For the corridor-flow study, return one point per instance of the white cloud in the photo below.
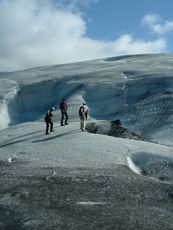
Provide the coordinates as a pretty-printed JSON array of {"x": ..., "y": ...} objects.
[
  {"x": 157, "y": 24},
  {"x": 34, "y": 33}
]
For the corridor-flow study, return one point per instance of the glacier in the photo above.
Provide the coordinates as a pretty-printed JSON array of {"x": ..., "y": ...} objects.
[{"x": 75, "y": 180}]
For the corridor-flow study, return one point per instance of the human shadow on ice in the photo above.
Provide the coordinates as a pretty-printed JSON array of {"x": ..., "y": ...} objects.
[
  {"x": 37, "y": 141},
  {"x": 19, "y": 141},
  {"x": 59, "y": 135},
  {"x": 28, "y": 134}
]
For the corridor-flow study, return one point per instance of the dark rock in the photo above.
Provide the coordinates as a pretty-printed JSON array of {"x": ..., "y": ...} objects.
[{"x": 113, "y": 128}]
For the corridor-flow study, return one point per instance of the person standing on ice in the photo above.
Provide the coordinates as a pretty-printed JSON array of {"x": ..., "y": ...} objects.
[
  {"x": 83, "y": 115},
  {"x": 63, "y": 108},
  {"x": 48, "y": 120}
]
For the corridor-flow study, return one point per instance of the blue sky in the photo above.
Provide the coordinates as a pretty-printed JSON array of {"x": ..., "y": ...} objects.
[
  {"x": 45, "y": 32},
  {"x": 114, "y": 17}
]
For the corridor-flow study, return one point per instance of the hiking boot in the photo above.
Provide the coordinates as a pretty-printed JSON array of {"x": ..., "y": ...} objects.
[
  {"x": 47, "y": 133},
  {"x": 62, "y": 124},
  {"x": 66, "y": 123},
  {"x": 52, "y": 130}
]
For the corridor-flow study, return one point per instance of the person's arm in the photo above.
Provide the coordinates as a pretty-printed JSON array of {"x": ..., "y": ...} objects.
[
  {"x": 86, "y": 113},
  {"x": 61, "y": 107}
]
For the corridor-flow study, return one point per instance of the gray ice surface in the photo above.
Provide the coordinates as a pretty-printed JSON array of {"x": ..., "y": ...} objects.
[{"x": 78, "y": 180}]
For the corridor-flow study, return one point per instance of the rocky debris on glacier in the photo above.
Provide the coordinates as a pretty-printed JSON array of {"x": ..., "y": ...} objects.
[{"x": 112, "y": 129}]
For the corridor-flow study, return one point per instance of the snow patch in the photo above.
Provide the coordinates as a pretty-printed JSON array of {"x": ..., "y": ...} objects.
[
  {"x": 50, "y": 176},
  {"x": 4, "y": 116},
  {"x": 10, "y": 159},
  {"x": 132, "y": 166},
  {"x": 9, "y": 89},
  {"x": 90, "y": 203}
]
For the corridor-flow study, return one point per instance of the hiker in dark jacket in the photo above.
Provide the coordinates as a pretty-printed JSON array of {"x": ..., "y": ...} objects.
[
  {"x": 48, "y": 120},
  {"x": 63, "y": 108}
]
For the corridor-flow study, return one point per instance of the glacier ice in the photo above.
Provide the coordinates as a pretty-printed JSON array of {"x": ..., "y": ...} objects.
[
  {"x": 69, "y": 179},
  {"x": 135, "y": 89}
]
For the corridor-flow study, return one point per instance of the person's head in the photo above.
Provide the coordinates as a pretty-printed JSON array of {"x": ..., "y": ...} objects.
[
  {"x": 52, "y": 109},
  {"x": 64, "y": 100},
  {"x": 84, "y": 103}
]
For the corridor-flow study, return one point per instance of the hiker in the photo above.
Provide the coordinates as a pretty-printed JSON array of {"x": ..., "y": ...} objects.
[
  {"x": 63, "y": 107},
  {"x": 48, "y": 120},
  {"x": 83, "y": 114}
]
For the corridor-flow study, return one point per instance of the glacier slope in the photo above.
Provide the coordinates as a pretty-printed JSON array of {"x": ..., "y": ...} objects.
[{"x": 71, "y": 179}]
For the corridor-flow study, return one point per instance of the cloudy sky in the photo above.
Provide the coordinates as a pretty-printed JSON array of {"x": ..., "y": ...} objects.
[{"x": 44, "y": 32}]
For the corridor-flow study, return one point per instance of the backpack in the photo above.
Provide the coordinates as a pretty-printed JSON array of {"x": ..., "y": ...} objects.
[
  {"x": 82, "y": 111},
  {"x": 46, "y": 116}
]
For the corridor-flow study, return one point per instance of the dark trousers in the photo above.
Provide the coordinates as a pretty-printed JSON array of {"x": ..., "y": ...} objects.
[
  {"x": 47, "y": 126},
  {"x": 64, "y": 115}
]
